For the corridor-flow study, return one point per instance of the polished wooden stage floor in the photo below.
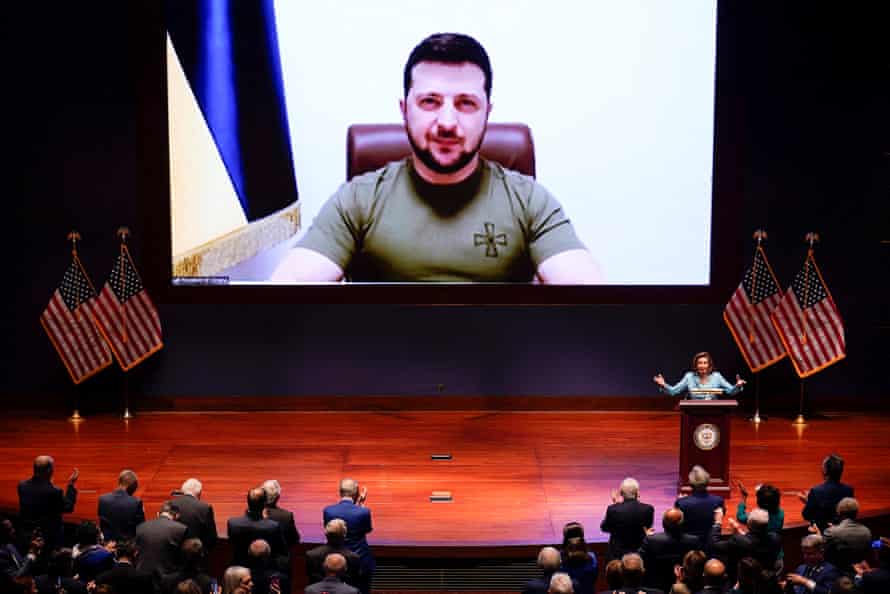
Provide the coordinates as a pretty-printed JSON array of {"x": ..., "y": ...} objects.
[{"x": 516, "y": 477}]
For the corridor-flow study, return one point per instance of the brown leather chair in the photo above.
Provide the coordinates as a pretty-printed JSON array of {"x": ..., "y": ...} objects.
[{"x": 371, "y": 146}]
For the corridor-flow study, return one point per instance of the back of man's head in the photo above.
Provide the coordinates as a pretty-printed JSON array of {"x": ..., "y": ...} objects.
[
  {"x": 699, "y": 478},
  {"x": 614, "y": 579},
  {"x": 561, "y": 583},
  {"x": 847, "y": 508},
  {"x": 348, "y": 488},
  {"x": 672, "y": 520},
  {"x": 335, "y": 532},
  {"x": 630, "y": 488},
  {"x": 128, "y": 481},
  {"x": 749, "y": 570},
  {"x": 632, "y": 569},
  {"x": 43, "y": 467},
  {"x": 572, "y": 530},
  {"x": 256, "y": 502},
  {"x": 125, "y": 549},
  {"x": 87, "y": 533},
  {"x": 60, "y": 563},
  {"x": 548, "y": 559},
  {"x": 715, "y": 573},
  {"x": 449, "y": 48},
  {"x": 259, "y": 549},
  {"x": 192, "y": 552},
  {"x": 273, "y": 491},
  {"x": 192, "y": 487},
  {"x": 833, "y": 468},
  {"x": 169, "y": 510},
  {"x": 758, "y": 519},
  {"x": 334, "y": 565}
]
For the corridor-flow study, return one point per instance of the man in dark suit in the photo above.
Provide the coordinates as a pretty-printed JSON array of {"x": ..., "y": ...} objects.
[
  {"x": 335, "y": 535},
  {"x": 41, "y": 504},
  {"x": 627, "y": 521},
  {"x": 159, "y": 541},
  {"x": 633, "y": 572},
  {"x": 124, "y": 576},
  {"x": 848, "y": 542},
  {"x": 358, "y": 524},
  {"x": 759, "y": 543},
  {"x": 285, "y": 518},
  {"x": 714, "y": 578},
  {"x": 192, "y": 556},
  {"x": 334, "y": 566},
  {"x": 13, "y": 563},
  {"x": 197, "y": 515},
  {"x": 660, "y": 552},
  {"x": 698, "y": 507},
  {"x": 119, "y": 511},
  {"x": 820, "y": 502},
  {"x": 548, "y": 562},
  {"x": 814, "y": 575},
  {"x": 253, "y": 526},
  {"x": 264, "y": 571}
]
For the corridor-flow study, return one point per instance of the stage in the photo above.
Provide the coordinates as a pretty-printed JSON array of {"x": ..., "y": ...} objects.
[{"x": 515, "y": 477}]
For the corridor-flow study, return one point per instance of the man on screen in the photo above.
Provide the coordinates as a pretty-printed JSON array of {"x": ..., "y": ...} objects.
[{"x": 443, "y": 213}]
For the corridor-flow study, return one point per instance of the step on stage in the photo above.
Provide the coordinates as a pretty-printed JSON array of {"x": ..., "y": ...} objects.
[{"x": 514, "y": 478}]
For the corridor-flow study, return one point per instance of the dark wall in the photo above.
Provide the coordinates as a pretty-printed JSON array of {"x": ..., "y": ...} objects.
[{"x": 803, "y": 95}]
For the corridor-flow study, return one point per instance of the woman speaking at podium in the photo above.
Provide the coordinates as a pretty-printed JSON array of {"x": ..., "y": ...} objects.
[{"x": 703, "y": 383}]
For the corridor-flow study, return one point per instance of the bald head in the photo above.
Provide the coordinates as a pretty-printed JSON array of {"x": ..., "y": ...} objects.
[
  {"x": 43, "y": 466},
  {"x": 259, "y": 549},
  {"x": 548, "y": 559},
  {"x": 672, "y": 519},
  {"x": 334, "y": 564},
  {"x": 256, "y": 501},
  {"x": 561, "y": 583},
  {"x": 714, "y": 572},
  {"x": 349, "y": 488},
  {"x": 192, "y": 487},
  {"x": 335, "y": 531}
]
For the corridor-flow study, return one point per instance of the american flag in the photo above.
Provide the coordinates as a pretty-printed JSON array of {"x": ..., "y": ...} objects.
[
  {"x": 68, "y": 321},
  {"x": 748, "y": 315},
  {"x": 126, "y": 315},
  {"x": 809, "y": 323}
]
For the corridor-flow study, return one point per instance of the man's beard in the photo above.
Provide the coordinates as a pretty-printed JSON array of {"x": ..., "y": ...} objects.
[{"x": 426, "y": 156}]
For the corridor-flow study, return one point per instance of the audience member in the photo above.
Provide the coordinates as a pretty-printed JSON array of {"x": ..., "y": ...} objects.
[
  {"x": 549, "y": 561},
  {"x": 58, "y": 576},
  {"x": 284, "y": 517},
  {"x": 124, "y": 576},
  {"x": 196, "y": 514},
  {"x": 237, "y": 580},
  {"x": 698, "y": 507},
  {"x": 691, "y": 572},
  {"x": 267, "y": 577},
  {"x": 872, "y": 581},
  {"x": 12, "y": 563},
  {"x": 580, "y": 564},
  {"x": 41, "y": 504},
  {"x": 612, "y": 575},
  {"x": 561, "y": 583},
  {"x": 633, "y": 571},
  {"x": 714, "y": 577},
  {"x": 192, "y": 559},
  {"x": 119, "y": 511},
  {"x": 90, "y": 557},
  {"x": 662, "y": 551},
  {"x": 814, "y": 574},
  {"x": 159, "y": 541},
  {"x": 758, "y": 543},
  {"x": 680, "y": 588},
  {"x": 335, "y": 535},
  {"x": 358, "y": 524},
  {"x": 626, "y": 521},
  {"x": 188, "y": 587},
  {"x": 334, "y": 568},
  {"x": 252, "y": 526},
  {"x": 846, "y": 585},
  {"x": 820, "y": 502},
  {"x": 849, "y": 541}
]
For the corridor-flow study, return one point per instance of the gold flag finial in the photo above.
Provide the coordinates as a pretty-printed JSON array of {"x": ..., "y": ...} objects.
[
  {"x": 759, "y": 235},
  {"x": 811, "y": 238},
  {"x": 123, "y": 233},
  {"x": 73, "y": 237}
]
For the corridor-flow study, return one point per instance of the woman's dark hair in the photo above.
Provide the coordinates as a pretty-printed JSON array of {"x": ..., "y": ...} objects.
[
  {"x": 449, "y": 48},
  {"x": 572, "y": 530},
  {"x": 575, "y": 550},
  {"x": 768, "y": 498},
  {"x": 694, "y": 569},
  {"x": 614, "y": 577}
]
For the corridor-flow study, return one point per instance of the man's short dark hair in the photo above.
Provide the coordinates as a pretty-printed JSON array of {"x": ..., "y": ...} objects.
[
  {"x": 449, "y": 48},
  {"x": 256, "y": 501},
  {"x": 87, "y": 533},
  {"x": 833, "y": 467},
  {"x": 769, "y": 498},
  {"x": 125, "y": 549}
]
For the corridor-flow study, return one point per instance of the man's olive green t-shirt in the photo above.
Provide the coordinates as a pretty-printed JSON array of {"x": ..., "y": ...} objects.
[{"x": 392, "y": 226}]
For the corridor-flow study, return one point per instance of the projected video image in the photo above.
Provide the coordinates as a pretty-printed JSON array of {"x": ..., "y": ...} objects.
[{"x": 564, "y": 143}]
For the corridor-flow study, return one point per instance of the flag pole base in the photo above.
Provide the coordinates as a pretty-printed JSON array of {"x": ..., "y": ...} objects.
[
  {"x": 757, "y": 418},
  {"x": 799, "y": 420},
  {"x": 127, "y": 414},
  {"x": 75, "y": 417}
]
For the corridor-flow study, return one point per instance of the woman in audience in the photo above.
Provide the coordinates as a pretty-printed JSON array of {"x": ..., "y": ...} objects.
[
  {"x": 768, "y": 498},
  {"x": 236, "y": 580},
  {"x": 577, "y": 561}
]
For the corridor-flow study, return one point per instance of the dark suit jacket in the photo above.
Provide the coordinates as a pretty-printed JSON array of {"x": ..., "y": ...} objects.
[
  {"x": 286, "y": 519},
  {"x": 875, "y": 581},
  {"x": 762, "y": 546},
  {"x": 626, "y": 523},
  {"x": 123, "y": 577},
  {"x": 198, "y": 517},
  {"x": 358, "y": 525},
  {"x": 824, "y": 575},
  {"x": 244, "y": 530},
  {"x": 119, "y": 514},
  {"x": 171, "y": 580},
  {"x": 847, "y": 543},
  {"x": 330, "y": 585},
  {"x": 315, "y": 559},
  {"x": 263, "y": 573},
  {"x": 822, "y": 501},
  {"x": 159, "y": 543},
  {"x": 41, "y": 505},
  {"x": 698, "y": 513},
  {"x": 13, "y": 563},
  {"x": 660, "y": 552}
]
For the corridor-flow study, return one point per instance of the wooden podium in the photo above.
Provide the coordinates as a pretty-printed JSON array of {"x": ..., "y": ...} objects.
[{"x": 704, "y": 440}]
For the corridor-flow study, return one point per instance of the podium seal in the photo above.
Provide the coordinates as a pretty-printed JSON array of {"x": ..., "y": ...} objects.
[{"x": 706, "y": 436}]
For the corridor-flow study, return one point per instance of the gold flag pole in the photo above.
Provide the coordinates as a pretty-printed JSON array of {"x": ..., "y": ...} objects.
[
  {"x": 123, "y": 233},
  {"x": 74, "y": 237},
  {"x": 811, "y": 238}
]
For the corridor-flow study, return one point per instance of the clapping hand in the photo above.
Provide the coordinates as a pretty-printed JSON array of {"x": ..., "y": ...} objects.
[
  {"x": 362, "y": 496},
  {"x": 742, "y": 490},
  {"x": 659, "y": 379},
  {"x": 614, "y": 496},
  {"x": 739, "y": 382},
  {"x": 73, "y": 478}
]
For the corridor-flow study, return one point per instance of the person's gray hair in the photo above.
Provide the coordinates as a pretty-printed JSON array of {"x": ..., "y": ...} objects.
[
  {"x": 549, "y": 559},
  {"x": 232, "y": 578},
  {"x": 192, "y": 487},
  {"x": 273, "y": 491},
  {"x": 337, "y": 526},
  {"x": 758, "y": 519},
  {"x": 630, "y": 488},
  {"x": 812, "y": 541},
  {"x": 348, "y": 487},
  {"x": 561, "y": 583},
  {"x": 847, "y": 507},
  {"x": 699, "y": 477}
]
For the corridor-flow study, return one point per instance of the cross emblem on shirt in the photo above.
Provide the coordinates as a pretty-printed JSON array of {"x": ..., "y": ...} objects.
[{"x": 490, "y": 240}]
